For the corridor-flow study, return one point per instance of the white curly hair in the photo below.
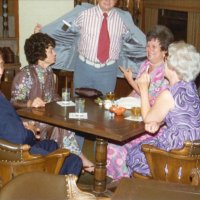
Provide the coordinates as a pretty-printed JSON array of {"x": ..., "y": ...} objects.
[{"x": 184, "y": 59}]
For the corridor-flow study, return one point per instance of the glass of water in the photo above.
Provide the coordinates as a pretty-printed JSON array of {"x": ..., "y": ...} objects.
[
  {"x": 65, "y": 94},
  {"x": 79, "y": 105}
]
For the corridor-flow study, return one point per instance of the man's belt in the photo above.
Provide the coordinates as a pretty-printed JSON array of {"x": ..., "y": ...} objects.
[{"x": 95, "y": 64}]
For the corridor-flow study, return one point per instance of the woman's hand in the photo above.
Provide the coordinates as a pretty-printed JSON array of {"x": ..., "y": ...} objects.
[
  {"x": 143, "y": 81},
  {"x": 127, "y": 73},
  {"x": 152, "y": 127},
  {"x": 37, "y": 102}
]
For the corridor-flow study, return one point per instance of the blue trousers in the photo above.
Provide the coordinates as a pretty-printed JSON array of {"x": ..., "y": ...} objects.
[
  {"x": 72, "y": 164},
  {"x": 102, "y": 79}
]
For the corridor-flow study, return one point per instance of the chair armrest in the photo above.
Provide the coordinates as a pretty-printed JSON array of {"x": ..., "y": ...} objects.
[
  {"x": 195, "y": 148},
  {"x": 138, "y": 175},
  {"x": 59, "y": 152},
  {"x": 4, "y": 144},
  {"x": 59, "y": 155}
]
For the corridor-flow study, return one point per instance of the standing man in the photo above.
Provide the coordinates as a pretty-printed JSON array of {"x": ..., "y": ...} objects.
[
  {"x": 87, "y": 25},
  {"x": 101, "y": 31}
]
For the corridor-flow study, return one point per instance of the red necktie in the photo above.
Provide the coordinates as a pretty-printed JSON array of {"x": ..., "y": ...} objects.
[{"x": 104, "y": 41}]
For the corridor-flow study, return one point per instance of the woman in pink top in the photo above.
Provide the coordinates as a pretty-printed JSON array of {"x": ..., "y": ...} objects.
[{"x": 158, "y": 40}]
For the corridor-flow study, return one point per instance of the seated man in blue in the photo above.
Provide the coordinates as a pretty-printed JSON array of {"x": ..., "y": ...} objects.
[{"x": 13, "y": 130}]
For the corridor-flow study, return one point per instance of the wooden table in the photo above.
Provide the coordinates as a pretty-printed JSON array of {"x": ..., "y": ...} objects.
[
  {"x": 139, "y": 189},
  {"x": 100, "y": 124}
]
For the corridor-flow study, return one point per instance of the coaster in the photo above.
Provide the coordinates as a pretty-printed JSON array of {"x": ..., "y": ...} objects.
[{"x": 66, "y": 103}]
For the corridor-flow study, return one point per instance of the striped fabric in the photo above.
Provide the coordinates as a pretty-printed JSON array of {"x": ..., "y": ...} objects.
[{"x": 89, "y": 22}]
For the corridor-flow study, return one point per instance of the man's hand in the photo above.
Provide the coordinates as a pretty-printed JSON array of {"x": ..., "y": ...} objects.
[
  {"x": 37, "y": 28},
  {"x": 30, "y": 125}
]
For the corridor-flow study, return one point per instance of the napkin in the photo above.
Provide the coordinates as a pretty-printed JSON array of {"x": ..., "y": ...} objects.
[
  {"x": 136, "y": 119},
  {"x": 129, "y": 102},
  {"x": 78, "y": 115},
  {"x": 66, "y": 103}
]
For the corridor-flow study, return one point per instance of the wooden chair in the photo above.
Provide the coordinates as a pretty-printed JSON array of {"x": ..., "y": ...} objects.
[
  {"x": 15, "y": 159},
  {"x": 44, "y": 186},
  {"x": 195, "y": 174},
  {"x": 64, "y": 79},
  {"x": 173, "y": 166},
  {"x": 139, "y": 189}
]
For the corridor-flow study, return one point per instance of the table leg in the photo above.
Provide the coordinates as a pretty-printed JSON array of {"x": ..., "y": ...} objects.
[{"x": 100, "y": 168}]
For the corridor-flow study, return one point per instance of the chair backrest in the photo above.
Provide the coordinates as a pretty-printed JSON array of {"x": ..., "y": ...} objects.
[
  {"x": 154, "y": 190},
  {"x": 64, "y": 77},
  {"x": 44, "y": 186},
  {"x": 175, "y": 165},
  {"x": 195, "y": 174},
  {"x": 15, "y": 159},
  {"x": 35, "y": 185}
]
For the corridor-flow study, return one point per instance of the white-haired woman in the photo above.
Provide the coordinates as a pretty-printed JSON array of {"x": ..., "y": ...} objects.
[{"x": 178, "y": 106}]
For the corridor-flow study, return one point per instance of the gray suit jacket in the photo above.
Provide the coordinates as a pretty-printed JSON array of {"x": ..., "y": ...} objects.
[{"x": 132, "y": 52}]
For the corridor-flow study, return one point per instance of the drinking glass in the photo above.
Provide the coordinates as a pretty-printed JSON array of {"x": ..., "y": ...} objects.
[
  {"x": 136, "y": 112},
  {"x": 65, "y": 94},
  {"x": 79, "y": 105},
  {"x": 110, "y": 96}
]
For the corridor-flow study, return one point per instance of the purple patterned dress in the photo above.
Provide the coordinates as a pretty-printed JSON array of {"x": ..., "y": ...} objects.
[
  {"x": 182, "y": 123},
  {"x": 116, "y": 156}
]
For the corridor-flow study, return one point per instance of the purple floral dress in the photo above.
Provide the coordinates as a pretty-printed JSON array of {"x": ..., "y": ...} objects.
[
  {"x": 182, "y": 123},
  {"x": 116, "y": 156}
]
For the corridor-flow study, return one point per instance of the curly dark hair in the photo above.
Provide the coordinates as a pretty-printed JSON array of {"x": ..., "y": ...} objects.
[
  {"x": 163, "y": 34},
  {"x": 36, "y": 45}
]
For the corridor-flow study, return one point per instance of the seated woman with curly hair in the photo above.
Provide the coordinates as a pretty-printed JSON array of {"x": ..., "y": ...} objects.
[{"x": 34, "y": 86}]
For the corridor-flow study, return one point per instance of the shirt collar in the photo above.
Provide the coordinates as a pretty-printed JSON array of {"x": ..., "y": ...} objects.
[{"x": 101, "y": 12}]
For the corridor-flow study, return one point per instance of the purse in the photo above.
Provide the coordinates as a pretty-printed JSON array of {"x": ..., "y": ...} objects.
[{"x": 88, "y": 92}]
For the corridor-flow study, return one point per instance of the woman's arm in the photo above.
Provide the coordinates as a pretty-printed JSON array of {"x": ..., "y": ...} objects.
[
  {"x": 163, "y": 104},
  {"x": 128, "y": 75}
]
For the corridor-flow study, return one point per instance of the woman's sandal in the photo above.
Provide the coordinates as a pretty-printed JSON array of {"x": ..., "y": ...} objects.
[{"x": 87, "y": 169}]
